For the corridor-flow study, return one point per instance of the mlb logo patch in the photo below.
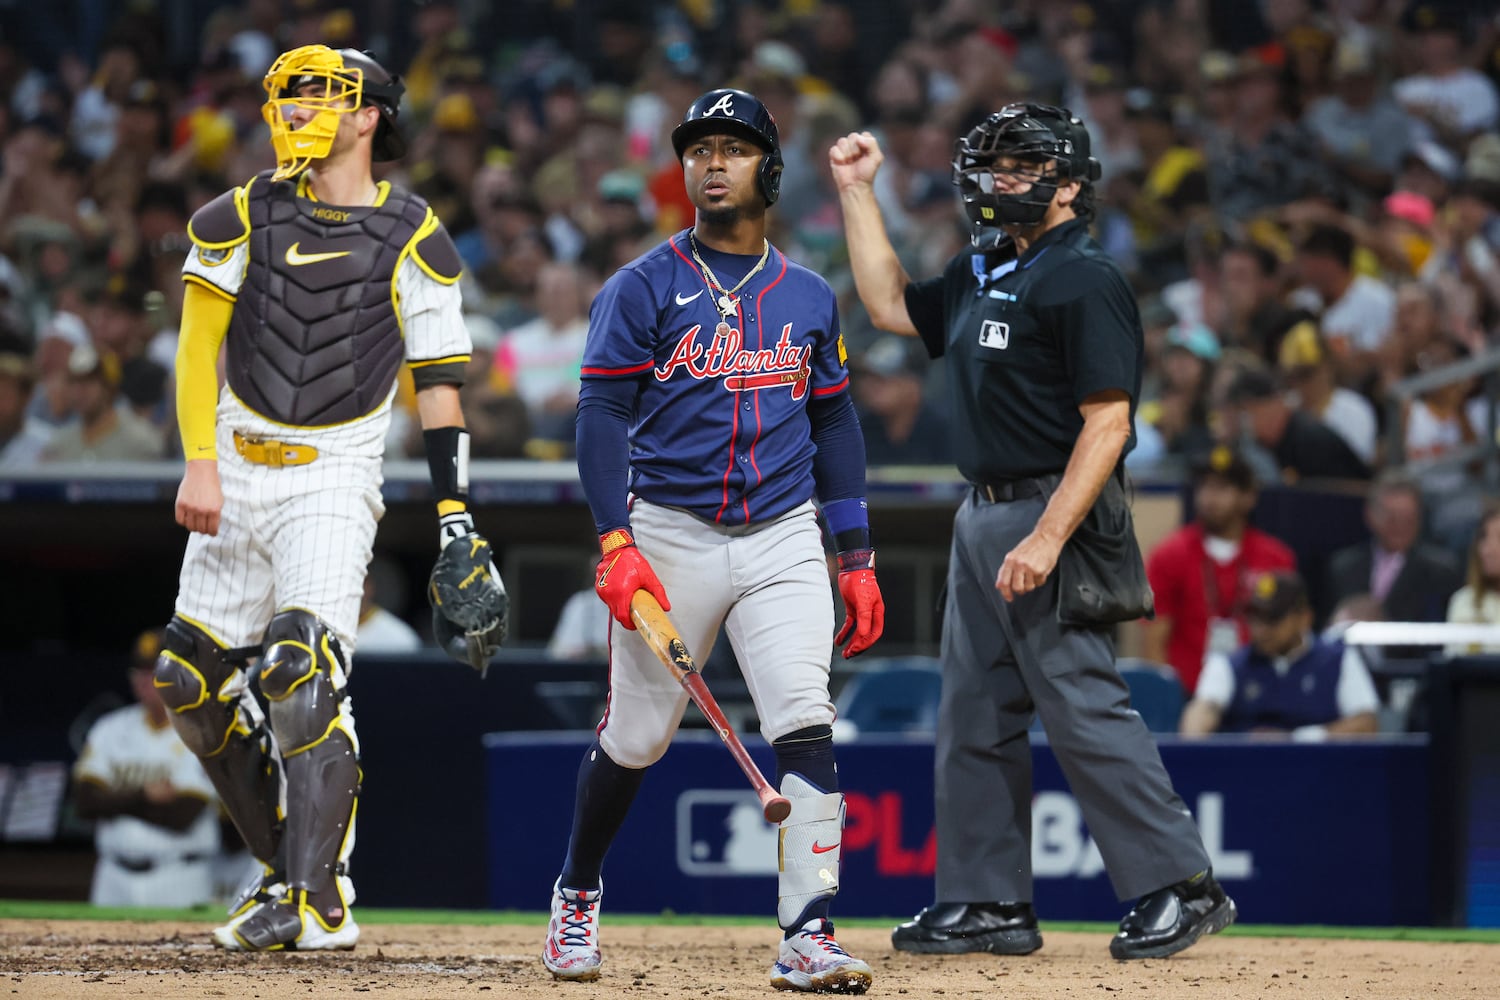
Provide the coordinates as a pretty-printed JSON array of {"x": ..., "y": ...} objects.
[
  {"x": 721, "y": 832},
  {"x": 994, "y": 334}
]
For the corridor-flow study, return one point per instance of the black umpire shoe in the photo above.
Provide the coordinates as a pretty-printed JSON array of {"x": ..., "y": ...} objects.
[
  {"x": 1171, "y": 919},
  {"x": 955, "y": 928}
]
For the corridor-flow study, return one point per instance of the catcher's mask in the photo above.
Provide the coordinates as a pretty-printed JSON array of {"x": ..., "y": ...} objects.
[
  {"x": 735, "y": 112},
  {"x": 1050, "y": 143},
  {"x": 341, "y": 80}
]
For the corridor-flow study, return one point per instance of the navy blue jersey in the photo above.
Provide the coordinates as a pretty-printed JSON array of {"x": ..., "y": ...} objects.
[{"x": 721, "y": 423}]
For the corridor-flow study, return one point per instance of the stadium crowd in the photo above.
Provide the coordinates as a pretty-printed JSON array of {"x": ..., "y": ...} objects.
[{"x": 1305, "y": 194}]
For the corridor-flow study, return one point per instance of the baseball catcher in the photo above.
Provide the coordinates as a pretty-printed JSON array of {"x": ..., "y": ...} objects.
[{"x": 316, "y": 284}]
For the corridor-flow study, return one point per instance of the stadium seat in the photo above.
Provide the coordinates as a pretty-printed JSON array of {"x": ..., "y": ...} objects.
[
  {"x": 1155, "y": 693},
  {"x": 896, "y": 695}
]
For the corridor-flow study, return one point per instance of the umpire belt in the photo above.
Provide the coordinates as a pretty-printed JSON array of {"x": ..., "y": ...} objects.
[
  {"x": 1012, "y": 489},
  {"x": 273, "y": 453},
  {"x": 138, "y": 865}
]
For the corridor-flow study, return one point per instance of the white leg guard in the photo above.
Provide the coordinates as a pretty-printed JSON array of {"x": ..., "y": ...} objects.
[{"x": 808, "y": 848}]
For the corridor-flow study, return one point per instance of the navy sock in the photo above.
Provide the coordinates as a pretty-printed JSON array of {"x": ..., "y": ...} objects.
[
  {"x": 605, "y": 791},
  {"x": 809, "y": 752}
]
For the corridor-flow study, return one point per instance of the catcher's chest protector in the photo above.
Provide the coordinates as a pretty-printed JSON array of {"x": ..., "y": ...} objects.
[{"x": 314, "y": 338}]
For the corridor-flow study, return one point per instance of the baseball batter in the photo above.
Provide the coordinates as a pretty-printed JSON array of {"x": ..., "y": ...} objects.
[
  {"x": 319, "y": 283},
  {"x": 714, "y": 406}
]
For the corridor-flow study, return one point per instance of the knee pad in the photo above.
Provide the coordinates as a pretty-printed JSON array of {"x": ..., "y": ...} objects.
[
  {"x": 808, "y": 849},
  {"x": 200, "y": 687},
  {"x": 302, "y": 676},
  {"x": 219, "y": 720}
]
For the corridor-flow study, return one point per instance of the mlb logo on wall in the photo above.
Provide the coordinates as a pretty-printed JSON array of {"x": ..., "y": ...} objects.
[
  {"x": 722, "y": 832},
  {"x": 994, "y": 334}
]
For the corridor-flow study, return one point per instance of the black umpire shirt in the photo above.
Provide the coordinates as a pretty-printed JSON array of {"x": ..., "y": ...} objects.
[{"x": 1027, "y": 340}]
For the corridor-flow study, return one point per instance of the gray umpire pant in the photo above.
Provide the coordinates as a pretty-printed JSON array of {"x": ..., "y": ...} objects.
[{"x": 1002, "y": 662}]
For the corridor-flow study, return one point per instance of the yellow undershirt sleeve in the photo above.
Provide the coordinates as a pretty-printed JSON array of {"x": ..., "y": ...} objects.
[{"x": 205, "y": 321}]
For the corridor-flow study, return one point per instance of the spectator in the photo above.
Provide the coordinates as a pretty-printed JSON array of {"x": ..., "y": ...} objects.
[
  {"x": 157, "y": 822},
  {"x": 1361, "y": 131},
  {"x": 1181, "y": 410},
  {"x": 22, "y": 438},
  {"x": 498, "y": 424},
  {"x": 104, "y": 431},
  {"x": 1429, "y": 169},
  {"x": 541, "y": 358},
  {"x": 1308, "y": 369},
  {"x": 1453, "y": 100},
  {"x": 901, "y": 426},
  {"x": 1285, "y": 679},
  {"x": 1475, "y": 208},
  {"x": 1201, "y": 573},
  {"x": 1303, "y": 447},
  {"x": 51, "y": 404},
  {"x": 1357, "y": 311},
  {"x": 380, "y": 630},
  {"x": 1477, "y": 602},
  {"x": 1436, "y": 424},
  {"x": 1171, "y": 191},
  {"x": 1412, "y": 580},
  {"x": 1251, "y": 314},
  {"x": 1264, "y": 161},
  {"x": 582, "y": 629},
  {"x": 1418, "y": 323}
]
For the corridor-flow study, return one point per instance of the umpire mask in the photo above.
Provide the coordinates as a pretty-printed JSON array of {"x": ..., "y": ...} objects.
[
  {"x": 329, "y": 83},
  {"x": 1041, "y": 143}
]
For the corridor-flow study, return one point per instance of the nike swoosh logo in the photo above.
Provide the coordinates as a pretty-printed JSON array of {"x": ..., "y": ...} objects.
[
  {"x": 296, "y": 258},
  {"x": 605, "y": 575},
  {"x": 684, "y": 301},
  {"x": 818, "y": 848}
]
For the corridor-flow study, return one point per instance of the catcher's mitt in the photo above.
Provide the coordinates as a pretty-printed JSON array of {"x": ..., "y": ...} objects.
[{"x": 469, "y": 602}]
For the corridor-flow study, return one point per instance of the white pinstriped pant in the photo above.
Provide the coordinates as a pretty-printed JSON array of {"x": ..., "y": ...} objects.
[
  {"x": 292, "y": 537},
  {"x": 768, "y": 584}
]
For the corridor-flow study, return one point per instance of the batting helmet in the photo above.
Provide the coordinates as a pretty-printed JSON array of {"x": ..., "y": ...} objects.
[
  {"x": 1032, "y": 133},
  {"x": 350, "y": 79},
  {"x": 737, "y": 113}
]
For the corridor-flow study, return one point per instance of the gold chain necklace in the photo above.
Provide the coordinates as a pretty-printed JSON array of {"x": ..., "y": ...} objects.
[{"x": 727, "y": 303}]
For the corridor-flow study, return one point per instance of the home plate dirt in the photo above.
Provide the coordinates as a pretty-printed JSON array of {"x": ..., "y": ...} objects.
[{"x": 164, "y": 961}]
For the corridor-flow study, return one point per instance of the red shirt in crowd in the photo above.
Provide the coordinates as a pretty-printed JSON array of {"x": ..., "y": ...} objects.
[{"x": 1192, "y": 589}]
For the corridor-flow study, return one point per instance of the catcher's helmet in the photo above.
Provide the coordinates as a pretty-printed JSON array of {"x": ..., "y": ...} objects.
[
  {"x": 737, "y": 113},
  {"x": 351, "y": 79},
  {"x": 1032, "y": 133}
]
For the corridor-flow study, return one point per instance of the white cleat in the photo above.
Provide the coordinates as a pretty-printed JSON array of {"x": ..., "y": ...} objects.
[
  {"x": 287, "y": 923},
  {"x": 251, "y": 898},
  {"x": 572, "y": 948},
  {"x": 811, "y": 961}
]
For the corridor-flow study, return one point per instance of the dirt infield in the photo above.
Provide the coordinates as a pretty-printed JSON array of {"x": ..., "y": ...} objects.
[{"x": 95, "y": 959}]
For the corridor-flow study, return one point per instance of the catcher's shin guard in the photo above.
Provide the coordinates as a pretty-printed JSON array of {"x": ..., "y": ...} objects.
[
  {"x": 217, "y": 717},
  {"x": 303, "y": 677},
  {"x": 807, "y": 852}
]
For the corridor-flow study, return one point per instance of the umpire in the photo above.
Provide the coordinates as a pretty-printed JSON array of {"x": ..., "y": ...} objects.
[{"x": 1044, "y": 344}]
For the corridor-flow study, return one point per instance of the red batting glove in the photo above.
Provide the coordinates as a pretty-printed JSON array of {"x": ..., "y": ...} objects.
[
  {"x": 864, "y": 608},
  {"x": 622, "y": 571}
]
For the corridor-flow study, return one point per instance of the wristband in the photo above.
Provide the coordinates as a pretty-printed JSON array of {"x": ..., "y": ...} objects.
[
  {"x": 849, "y": 523},
  {"x": 448, "y": 463},
  {"x": 617, "y": 538},
  {"x": 853, "y": 559}
]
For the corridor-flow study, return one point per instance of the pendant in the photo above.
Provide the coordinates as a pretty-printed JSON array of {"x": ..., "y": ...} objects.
[{"x": 728, "y": 304}]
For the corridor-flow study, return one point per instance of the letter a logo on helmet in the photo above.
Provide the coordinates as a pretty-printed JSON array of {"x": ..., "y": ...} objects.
[
  {"x": 725, "y": 104},
  {"x": 735, "y": 112}
]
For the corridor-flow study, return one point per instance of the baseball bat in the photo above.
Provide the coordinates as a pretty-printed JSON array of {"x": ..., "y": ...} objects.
[{"x": 661, "y": 635}]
